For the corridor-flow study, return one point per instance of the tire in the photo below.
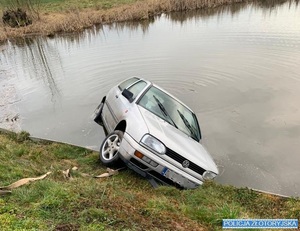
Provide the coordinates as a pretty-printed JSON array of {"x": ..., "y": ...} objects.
[{"x": 109, "y": 150}]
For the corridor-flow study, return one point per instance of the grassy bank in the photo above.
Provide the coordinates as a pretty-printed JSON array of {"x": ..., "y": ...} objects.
[
  {"x": 120, "y": 202},
  {"x": 69, "y": 16}
]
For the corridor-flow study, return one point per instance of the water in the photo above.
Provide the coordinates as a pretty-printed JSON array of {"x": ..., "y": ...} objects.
[{"x": 237, "y": 67}]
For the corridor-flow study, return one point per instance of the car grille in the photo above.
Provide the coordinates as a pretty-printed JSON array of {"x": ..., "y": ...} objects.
[{"x": 175, "y": 156}]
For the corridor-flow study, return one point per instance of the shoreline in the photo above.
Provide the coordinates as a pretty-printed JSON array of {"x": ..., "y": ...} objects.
[
  {"x": 77, "y": 196},
  {"x": 46, "y": 141},
  {"x": 50, "y": 24}
]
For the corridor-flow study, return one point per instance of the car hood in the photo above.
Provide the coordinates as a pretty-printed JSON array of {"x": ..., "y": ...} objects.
[{"x": 178, "y": 141}]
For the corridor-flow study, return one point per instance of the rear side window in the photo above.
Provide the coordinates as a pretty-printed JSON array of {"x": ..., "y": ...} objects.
[
  {"x": 127, "y": 83},
  {"x": 137, "y": 88}
]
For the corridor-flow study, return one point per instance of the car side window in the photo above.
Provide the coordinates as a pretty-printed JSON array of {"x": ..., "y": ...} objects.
[
  {"x": 137, "y": 88},
  {"x": 127, "y": 83}
]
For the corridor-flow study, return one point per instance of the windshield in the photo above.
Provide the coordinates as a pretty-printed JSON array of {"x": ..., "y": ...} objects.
[{"x": 172, "y": 111}]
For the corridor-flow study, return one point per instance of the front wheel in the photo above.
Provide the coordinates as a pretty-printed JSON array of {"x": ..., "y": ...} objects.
[{"x": 109, "y": 150}]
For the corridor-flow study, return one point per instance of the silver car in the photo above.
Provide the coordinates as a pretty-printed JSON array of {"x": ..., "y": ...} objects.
[{"x": 154, "y": 133}]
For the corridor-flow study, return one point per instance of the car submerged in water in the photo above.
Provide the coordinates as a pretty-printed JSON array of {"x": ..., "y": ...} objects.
[{"x": 154, "y": 134}]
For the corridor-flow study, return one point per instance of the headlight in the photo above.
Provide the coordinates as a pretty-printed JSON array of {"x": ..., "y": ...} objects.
[
  {"x": 154, "y": 144},
  {"x": 208, "y": 175}
]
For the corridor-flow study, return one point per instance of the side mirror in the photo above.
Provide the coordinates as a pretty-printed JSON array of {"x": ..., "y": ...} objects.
[{"x": 128, "y": 95}]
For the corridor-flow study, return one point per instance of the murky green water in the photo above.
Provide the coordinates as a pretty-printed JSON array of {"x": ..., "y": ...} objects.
[{"x": 237, "y": 67}]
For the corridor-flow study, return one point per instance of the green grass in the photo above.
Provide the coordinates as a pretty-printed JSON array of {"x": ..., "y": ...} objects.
[
  {"x": 48, "y": 6},
  {"x": 66, "y": 5},
  {"x": 122, "y": 202}
]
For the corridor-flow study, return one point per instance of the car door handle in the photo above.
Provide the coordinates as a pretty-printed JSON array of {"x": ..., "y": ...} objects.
[{"x": 117, "y": 96}]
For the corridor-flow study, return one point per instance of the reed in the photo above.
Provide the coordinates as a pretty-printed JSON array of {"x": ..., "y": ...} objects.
[{"x": 76, "y": 19}]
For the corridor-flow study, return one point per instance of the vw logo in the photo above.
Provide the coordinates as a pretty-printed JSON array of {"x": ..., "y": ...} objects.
[{"x": 185, "y": 164}]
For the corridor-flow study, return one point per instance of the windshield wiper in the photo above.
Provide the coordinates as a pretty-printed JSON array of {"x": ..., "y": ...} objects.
[
  {"x": 164, "y": 111},
  {"x": 188, "y": 125}
]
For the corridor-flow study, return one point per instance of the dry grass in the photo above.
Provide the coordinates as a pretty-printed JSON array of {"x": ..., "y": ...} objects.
[{"x": 76, "y": 20}]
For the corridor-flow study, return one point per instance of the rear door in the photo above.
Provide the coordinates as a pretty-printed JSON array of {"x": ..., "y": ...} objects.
[
  {"x": 116, "y": 105},
  {"x": 122, "y": 105},
  {"x": 111, "y": 104}
]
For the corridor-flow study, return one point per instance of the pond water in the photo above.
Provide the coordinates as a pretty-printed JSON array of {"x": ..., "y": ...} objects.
[{"x": 237, "y": 67}]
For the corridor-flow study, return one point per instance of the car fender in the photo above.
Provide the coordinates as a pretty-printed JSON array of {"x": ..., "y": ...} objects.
[{"x": 135, "y": 123}]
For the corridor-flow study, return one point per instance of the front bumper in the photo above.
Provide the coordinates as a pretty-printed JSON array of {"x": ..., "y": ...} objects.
[{"x": 165, "y": 172}]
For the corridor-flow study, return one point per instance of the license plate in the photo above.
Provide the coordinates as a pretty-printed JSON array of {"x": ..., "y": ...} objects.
[
  {"x": 175, "y": 177},
  {"x": 168, "y": 173},
  {"x": 164, "y": 171}
]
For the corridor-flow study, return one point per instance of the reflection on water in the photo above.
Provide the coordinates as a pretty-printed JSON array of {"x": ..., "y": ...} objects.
[
  {"x": 101, "y": 30},
  {"x": 203, "y": 14},
  {"x": 39, "y": 59},
  {"x": 237, "y": 66},
  {"x": 9, "y": 115}
]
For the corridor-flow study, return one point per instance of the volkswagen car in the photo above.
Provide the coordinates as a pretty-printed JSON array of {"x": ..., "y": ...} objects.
[{"x": 154, "y": 134}]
